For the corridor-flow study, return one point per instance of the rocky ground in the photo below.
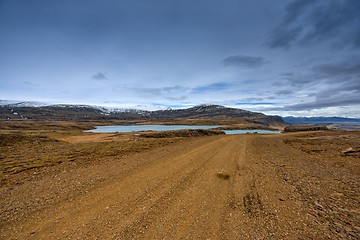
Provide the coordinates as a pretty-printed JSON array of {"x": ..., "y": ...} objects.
[{"x": 289, "y": 186}]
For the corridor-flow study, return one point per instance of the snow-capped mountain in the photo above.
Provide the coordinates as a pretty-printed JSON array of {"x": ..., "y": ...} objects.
[
  {"x": 67, "y": 112},
  {"x": 106, "y": 109}
]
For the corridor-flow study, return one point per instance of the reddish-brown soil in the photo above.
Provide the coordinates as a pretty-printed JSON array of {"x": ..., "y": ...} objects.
[{"x": 290, "y": 186}]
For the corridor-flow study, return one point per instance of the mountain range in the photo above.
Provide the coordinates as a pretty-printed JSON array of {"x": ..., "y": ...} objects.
[
  {"x": 25, "y": 110},
  {"x": 43, "y": 111}
]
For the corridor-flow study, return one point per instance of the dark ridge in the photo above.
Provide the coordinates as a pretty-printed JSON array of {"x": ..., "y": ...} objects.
[
  {"x": 303, "y": 128},
  {"x": 90, "y": 113}
]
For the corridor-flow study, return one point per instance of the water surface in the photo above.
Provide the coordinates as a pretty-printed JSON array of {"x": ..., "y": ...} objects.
[
  {"x": 138, "y": 128},
  {"x": 251, "y": 131}
]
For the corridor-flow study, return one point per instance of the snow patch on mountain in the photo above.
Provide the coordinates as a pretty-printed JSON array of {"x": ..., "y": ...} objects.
[{"x": 16, "y": 103}]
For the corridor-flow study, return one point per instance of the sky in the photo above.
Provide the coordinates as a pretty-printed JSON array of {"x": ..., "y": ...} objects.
[{"x": 284, "y": 57}]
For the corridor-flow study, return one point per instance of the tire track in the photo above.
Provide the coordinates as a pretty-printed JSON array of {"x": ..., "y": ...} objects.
[{"x": 186, "y": 212}]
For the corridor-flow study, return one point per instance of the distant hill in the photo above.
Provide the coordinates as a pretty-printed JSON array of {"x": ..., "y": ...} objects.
[
  {"x": 95, "y": 113},
  {"x": 319, "y": 120}
]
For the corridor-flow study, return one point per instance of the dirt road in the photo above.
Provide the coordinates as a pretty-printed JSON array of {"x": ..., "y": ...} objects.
[{"x": 222, "y": 187}]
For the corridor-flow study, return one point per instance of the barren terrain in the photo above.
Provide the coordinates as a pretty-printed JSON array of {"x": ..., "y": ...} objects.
[{"x": 108, "y": 186}]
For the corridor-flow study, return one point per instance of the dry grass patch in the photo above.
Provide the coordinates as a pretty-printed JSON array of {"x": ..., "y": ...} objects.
[{"x": 23, "y": 152}]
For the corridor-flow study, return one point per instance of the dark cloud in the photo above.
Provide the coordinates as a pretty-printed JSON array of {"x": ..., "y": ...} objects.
[
  {"x": 330, "y": 19},
  {"x": 254, "y": 103},
  {"x": 295, "y": 9},
  {"x": 311, "y": 95},
  {"x": 356, "y": 40},
  {"x": 284, "y": 37},
  {"x": 284, "y": 92},
  {"x": 244, "y": 61},
  {"x": 298, "y": 80},
  {"x": 324, "y": 103},
  {"x": 214, "y": 87},
  {"x": 153, "y": 92},
  {"x": 29, "y": 83},
  {"x": 337, "y": 84},
  {"x": 99, "y": 76},
  {"x": 251, "y": 99},
  {"x": 149, "y": 91},
  {"x": 324, "y": 94},
  {"x": 345, "y": 69},
  {"x": 181, "y": 98},
  {"x": 285, "y": 34},
  {"x": 288, "y": 74},
  {"x": 320, "y": 103},
  {"x": 345, "y": 72},
  {"x": 174, "y": 88},
  {"x": 311, "y": 22}
]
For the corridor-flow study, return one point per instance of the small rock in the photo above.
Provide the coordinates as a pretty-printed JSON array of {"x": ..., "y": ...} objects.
[
  {"x": 319, "y": 206},
  {"x": 223, "y": 175}
]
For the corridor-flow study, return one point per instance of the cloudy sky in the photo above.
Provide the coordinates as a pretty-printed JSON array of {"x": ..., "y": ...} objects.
[{"x": 287, "y": 57}]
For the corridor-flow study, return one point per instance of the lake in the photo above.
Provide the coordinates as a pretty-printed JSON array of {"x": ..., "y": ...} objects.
[
  {"x": 260, "y": 131},
  {"x": 138, "y": 128}
]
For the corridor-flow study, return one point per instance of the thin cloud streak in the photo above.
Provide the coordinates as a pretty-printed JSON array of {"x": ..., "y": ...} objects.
[
  {"x": 99, "y": 76},
  {"x": 244, "y": 61},
  {"x": 320, "y": 104}
]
